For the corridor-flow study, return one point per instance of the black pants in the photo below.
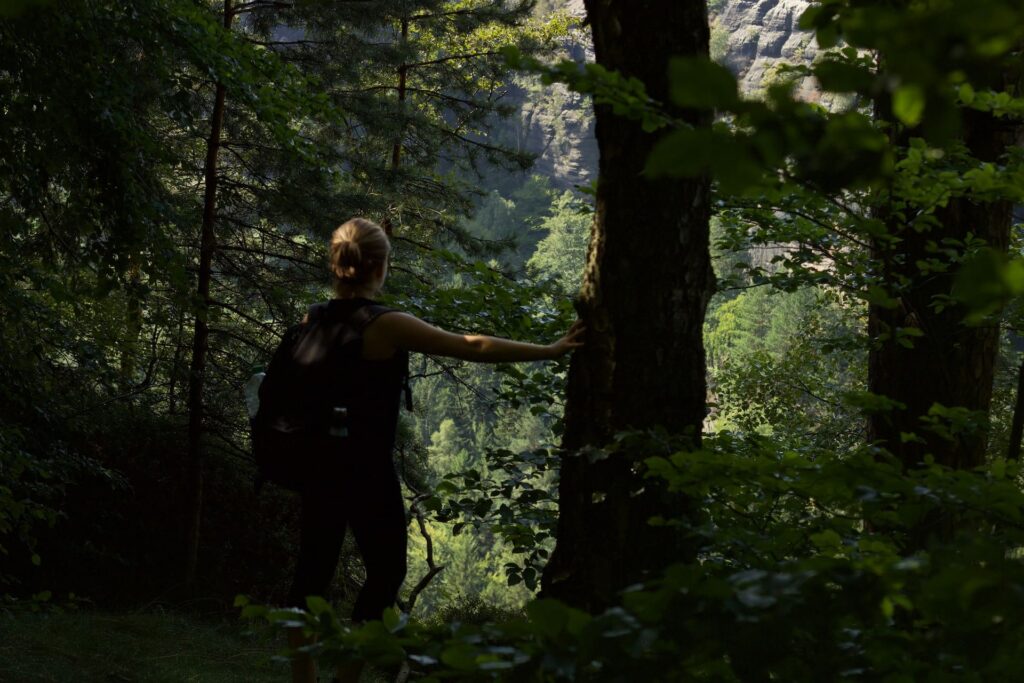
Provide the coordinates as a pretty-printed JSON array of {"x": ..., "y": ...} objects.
[{"x": 368, "y": 499}]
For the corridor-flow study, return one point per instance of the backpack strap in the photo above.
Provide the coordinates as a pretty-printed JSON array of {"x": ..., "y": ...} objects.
[
  {"x": 358, "y": 319},
  {"x": 316, "y": 311},
  {"x": 363, "y": 316}
]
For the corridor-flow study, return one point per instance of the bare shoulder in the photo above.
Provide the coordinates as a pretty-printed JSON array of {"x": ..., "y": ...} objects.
[
  {"x": 390, "y": 332},
  {"x": 399, "y": 330},
  {"x": 394, "y": 324},
  {"x": 400, "y": 327}
]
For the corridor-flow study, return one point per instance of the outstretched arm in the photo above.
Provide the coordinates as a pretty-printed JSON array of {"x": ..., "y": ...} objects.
[{"x": 404, "y": 331}]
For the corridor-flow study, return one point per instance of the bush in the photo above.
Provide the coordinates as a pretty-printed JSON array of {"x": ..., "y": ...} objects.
[{"x": 811, "y": 568}]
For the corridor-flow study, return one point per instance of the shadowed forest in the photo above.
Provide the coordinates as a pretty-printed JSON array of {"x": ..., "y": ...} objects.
[{"x": 788, "y": 449}]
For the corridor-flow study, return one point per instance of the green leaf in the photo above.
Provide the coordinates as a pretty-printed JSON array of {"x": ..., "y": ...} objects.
[
  {"x": 394, "y": 620},
  {"x": 254, "y": 611},
  {"x": 879, "y": 296},
  {"x": 869, "y": 402},
  {"x": 908, "y": 103},
  {"x": 460, "y": 656},
  {"x": 887, "y": 607},
  {"x": 691, "y": 152},
  {"x": 827, "y": 540},
  {"x": 700, "y": 83},
  {"x": 838, "y": 76},
  {"x": 967, "y": 94},
  {"x": 549, "y": 617},
  {"x": 317, "y": 605}
]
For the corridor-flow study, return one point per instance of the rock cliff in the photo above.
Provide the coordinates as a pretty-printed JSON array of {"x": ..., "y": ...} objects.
[
  {"x": 556, "y": 124},
  {"x": 752, "y": 37}
]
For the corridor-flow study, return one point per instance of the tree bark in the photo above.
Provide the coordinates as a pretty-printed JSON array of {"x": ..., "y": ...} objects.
[
  {"x": 403, "y": 70},
  {"x": 200, "y": 337},
  {"x": 646, "y": 286},
  {"x": 133, "y": 321},
  {"x": 951, "y": 364},
  {"x": 1017, "y": 425}
]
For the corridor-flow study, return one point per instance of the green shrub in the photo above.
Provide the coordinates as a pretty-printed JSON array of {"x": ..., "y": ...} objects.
[{"x": 811, "y": 568}]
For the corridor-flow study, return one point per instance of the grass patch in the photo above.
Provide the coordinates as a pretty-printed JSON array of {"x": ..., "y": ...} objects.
[{"x": 123, "y": 648}]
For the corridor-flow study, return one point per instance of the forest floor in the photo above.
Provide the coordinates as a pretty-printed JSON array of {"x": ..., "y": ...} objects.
[{"x": 147, "y": 647}]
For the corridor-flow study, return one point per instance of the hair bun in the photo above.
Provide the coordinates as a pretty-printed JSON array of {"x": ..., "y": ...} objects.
[
  {"x": 348, "y": 259},
  {"x": 358, "y": 247}
]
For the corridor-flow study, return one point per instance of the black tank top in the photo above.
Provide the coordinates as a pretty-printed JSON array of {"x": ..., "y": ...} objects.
[{"x": 373, "y": 391}]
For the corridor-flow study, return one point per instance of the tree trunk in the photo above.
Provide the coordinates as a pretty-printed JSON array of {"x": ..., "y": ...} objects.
[
  {"x": 647, "y": 283},
  {"x": 1017, "y": 426},
  {"x": 951, "y": 364},
  {"x": 176, "y": 369},
  {"x": 133, "y": 322},
  {"x": 403, "y": 71},
  {"x": 197, "y": 370}
]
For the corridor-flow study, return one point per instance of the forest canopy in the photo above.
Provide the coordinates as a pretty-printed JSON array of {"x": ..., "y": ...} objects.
[{"x": 788, "y": 450}]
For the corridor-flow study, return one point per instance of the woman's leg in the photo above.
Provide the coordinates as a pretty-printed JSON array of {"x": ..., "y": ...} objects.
[
  {"x": 379, "y": 526},
  {"x": 322, "y": 532}
]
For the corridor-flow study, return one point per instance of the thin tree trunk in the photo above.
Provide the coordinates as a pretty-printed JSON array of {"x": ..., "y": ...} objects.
[
  {"x": 172, "y": 384},
  {"x": 197, "y": 370},
  {"x": 1017, "y": 426},
  {"x": 647, "y": 283},
  {"x": 133, "y": 322},
  {"x": 403, "y": 71}
]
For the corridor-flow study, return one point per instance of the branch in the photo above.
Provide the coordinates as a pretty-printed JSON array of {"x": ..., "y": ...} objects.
[
  {"x": 441, "y": 60},
  {"x": 450, "y": 371},
  {"x": 477, "y": 143},
  {"x": 260, "y": 4},
  {"x": 420, "y": 278},
  {"x": 439, "y": 15},
  {"x": 141, "y": 387},
  {"x": 422, "y": 245},
  {"x": 240, "y": 338},
  {"x": 271, "y": 254},
  {"x": 433, "y": 568},
  {"x": 286, "y": 43},
  {"x": 243, "y": 316},
  {"x": 266, "y": 232}
]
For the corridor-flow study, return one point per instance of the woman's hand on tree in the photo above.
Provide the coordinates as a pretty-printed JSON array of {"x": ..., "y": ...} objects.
[{"x": 573, "y": 339}]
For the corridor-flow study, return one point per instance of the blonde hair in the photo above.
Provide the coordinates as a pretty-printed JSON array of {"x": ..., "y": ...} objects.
[{"x": 358, "y": 247}]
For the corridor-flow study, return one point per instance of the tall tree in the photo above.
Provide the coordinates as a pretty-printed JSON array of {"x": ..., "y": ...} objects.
[
  {"x": 949, "y": 365},
  {"x": 201, "y": 334},
  {"x": 647, "y": 283},
  {"x": 943, "y": 223}
]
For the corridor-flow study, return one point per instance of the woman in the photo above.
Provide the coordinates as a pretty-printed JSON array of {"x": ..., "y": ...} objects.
[{"x": 361, "y": 491}]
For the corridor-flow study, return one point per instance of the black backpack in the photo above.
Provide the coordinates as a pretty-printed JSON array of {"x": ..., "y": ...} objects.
[{"x": 303, "y": 395}]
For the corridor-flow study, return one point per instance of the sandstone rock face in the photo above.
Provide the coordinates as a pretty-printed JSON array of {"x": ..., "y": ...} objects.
[
  {"x": 754, "y": 37},
  {"x": 558, "y": 125},
  {"x": 576, "y": 8}
]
